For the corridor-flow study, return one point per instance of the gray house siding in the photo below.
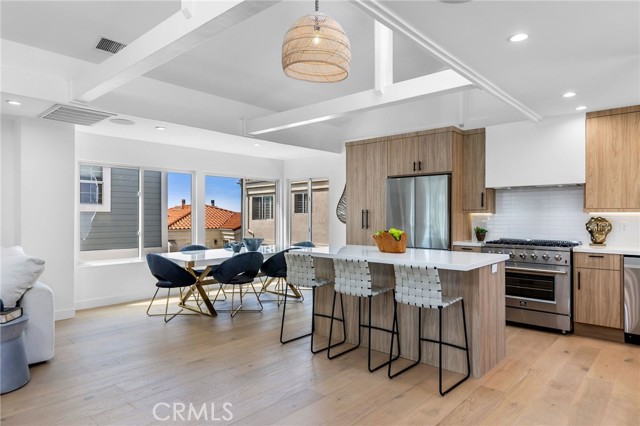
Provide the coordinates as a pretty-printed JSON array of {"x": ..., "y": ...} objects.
[
  {"x": 152, "y": 209},
  {"x": 117, "y": 229}
]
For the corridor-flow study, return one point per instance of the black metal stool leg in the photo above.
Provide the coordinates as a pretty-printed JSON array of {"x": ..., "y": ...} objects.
[
  {"x": 370, "y": 326},
  {"x": 389, "y": 373},
  {"x": 465, "y": 348},
  {"x": 344, "y": 328}
]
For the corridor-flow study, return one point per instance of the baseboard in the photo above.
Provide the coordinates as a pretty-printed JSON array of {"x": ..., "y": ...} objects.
[
  {"x": 112, "y": 300},
  {"x": 597, "y": 332},
  {"x": 65, "y": 314}
]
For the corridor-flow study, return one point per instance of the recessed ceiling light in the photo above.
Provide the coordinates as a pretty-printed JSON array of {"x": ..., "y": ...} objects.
[
  {"x": 160, "y": 128},
  {"x": 580, "y": 108},
  {"x": 122, "y": 121},
  {"x": 518, "y": 37},
  {"x": 256, "y": 144},
  {"x": 15, "y": 103},
  {"x": 569, "y": 95}
]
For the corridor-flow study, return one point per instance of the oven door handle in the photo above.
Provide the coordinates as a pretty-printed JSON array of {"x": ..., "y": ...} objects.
[{"x": 540, "y": 271}]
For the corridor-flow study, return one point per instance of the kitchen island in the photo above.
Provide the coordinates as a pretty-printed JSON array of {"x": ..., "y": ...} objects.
[{"x": 477, "y": 277}]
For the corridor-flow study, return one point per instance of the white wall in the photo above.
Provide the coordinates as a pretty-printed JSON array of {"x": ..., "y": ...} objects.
[
  {"x": 38, "y": 205},
  {"x": 99, "y": 285},
  {"x": 10, "y": 183},
  {"x": 333, "y": 167},
  {"x": 549, "y": 152}
]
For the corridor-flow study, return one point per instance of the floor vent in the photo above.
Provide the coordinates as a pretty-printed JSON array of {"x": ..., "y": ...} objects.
[
  {"x": 110, "y": 45},
  {"x": 75, "y": 115}
]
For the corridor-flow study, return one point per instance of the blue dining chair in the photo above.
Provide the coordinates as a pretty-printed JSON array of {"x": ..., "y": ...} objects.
[
  {"x": 169, "y": 276},
  {"x": 276, "y": 267},
  {"x": 239, "y": 270},
  {"x": 303, "y": 244}
]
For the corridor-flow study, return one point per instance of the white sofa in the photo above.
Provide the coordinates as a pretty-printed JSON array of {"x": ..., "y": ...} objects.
[{"x": 39, "y": 333}]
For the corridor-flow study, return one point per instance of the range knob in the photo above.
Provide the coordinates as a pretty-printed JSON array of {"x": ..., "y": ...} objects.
[
  {"x": 499, "y": 251},
  {"x": 534, "y": 256},
  {"x": 558, "y": 257},
  {"x": 512, "y": 255},
  {"x": 545, "y": 256},
  {"x": 490, "y": 251},
  {"x": 523, "y": 256}
]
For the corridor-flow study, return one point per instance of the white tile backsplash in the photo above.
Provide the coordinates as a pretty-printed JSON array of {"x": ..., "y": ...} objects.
[{"x": 551, "y": 213}]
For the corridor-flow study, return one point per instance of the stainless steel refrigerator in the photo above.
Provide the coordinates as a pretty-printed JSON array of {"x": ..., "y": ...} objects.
[{"x": 420, "y": 206}]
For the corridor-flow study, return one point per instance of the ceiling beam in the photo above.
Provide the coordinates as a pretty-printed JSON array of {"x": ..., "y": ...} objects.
[
  {"x": 196, "y": 22},
  {"x": 383, "y": 37},
  {"x": 404, "y": 91},
  {"x": 381, "y": 13}
]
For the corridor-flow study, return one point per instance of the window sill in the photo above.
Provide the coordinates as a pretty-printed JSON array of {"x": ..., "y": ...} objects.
[{"x": 109, "y": 262}]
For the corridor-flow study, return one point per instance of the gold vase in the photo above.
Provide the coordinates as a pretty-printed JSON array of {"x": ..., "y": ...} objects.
[{"x": 598, "y": 228}]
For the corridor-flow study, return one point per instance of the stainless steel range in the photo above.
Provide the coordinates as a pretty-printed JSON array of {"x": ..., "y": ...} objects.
[{"x": 538, "y": 281}]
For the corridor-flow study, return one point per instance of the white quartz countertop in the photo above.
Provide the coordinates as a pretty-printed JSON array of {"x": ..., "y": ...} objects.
[
  {"x": 469, "y": 243},
  {"x": 443, "y": 259},
  {"x": 586, "y": 248}
]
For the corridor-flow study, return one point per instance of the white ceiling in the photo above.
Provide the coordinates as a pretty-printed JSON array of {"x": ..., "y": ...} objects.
[{"x": 589, "y": 47}]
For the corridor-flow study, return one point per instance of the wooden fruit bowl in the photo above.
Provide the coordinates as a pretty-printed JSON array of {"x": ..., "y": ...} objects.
[{"x": 387, "y": 244}]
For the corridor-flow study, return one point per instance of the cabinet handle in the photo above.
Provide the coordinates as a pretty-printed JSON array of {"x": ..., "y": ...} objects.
[
  {"x": 482, "y": 199},
  {"x": 419, "y": 165},
  {"x": 362, "y": 220},
  {"x": 599, "y": 256},
  {"x": 578, "y": 280},
  {"x": 466, "y": 248},
  {"x": 367, "y": 226},
  {"x": 414, "y": 166}
]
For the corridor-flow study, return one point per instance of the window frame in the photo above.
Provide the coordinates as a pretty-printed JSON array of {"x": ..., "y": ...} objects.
[
  {"x": 262, "y": 209},
  {"x": 105, "y": 206},
  {"x": 305, "y": 202}
]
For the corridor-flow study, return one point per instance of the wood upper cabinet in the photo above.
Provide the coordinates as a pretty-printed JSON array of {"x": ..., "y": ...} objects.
[
  {"x": 612, "y": 156},
  {"x": 476, "y": 197},
  {"x": 366, "y": 191},
  {"x": 597, "y": 290},
  {"x": 421, "y": 153}
]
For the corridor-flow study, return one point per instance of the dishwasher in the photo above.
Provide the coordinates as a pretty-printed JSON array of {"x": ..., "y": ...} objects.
[{"x": 632, "y": 299}]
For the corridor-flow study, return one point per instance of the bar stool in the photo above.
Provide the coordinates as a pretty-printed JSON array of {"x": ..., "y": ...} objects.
[
  {"x": 420, "y": 286},
  {"x": 301, "y": 273},
  {"x": 354, "y": 278}
]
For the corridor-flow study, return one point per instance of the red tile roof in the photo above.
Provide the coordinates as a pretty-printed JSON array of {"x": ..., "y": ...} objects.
[{"x": 215, "y": 218}]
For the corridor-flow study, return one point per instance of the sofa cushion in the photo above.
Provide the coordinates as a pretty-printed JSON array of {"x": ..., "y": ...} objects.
[{"x": 19, "y": 273}]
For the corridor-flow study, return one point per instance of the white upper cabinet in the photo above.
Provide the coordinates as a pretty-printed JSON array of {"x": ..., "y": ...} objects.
[{"x": 550, "y": 152}]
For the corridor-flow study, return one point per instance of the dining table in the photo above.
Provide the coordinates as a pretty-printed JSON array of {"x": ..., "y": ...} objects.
[{"x": 200, "y": 262}]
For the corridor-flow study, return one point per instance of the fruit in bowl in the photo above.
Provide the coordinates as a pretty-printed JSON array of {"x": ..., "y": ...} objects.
[
  {"x": 252, "y": 244},
  {"x": 392, "y": 241}
]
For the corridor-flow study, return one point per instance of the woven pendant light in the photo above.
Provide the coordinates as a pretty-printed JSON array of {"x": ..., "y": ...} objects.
[{"x": 316, "y": 49}]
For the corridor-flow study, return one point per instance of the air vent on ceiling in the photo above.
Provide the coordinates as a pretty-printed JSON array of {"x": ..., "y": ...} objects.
[
  {"x": 75, "y": 115},
  {"x": 110, "y": 45}
]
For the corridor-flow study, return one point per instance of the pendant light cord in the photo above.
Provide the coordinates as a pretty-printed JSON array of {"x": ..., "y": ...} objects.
[{"x": 317, "y": 25}]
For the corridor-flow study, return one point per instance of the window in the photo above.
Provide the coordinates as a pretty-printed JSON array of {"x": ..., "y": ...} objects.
[
  {"x": 309, "y": 217},
  {"x": 301, "y": 203},
  {"x": 115, "y": 232},
  {"x": 262, "y": 207},
  {"x": 95, "y": 188}
]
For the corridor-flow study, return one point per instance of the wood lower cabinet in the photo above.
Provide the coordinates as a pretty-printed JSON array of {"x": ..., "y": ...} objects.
[
  {"x": 597, "y": 292},
  {"x": 474, "y": 249},
  {"x": 476, "y": 197},
  {"x": 366, "y": 185},
  {"x": 612, "y": 180}
]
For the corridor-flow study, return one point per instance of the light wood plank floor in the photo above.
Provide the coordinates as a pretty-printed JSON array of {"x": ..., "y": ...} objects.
[{"x": 114, "y": 364}]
